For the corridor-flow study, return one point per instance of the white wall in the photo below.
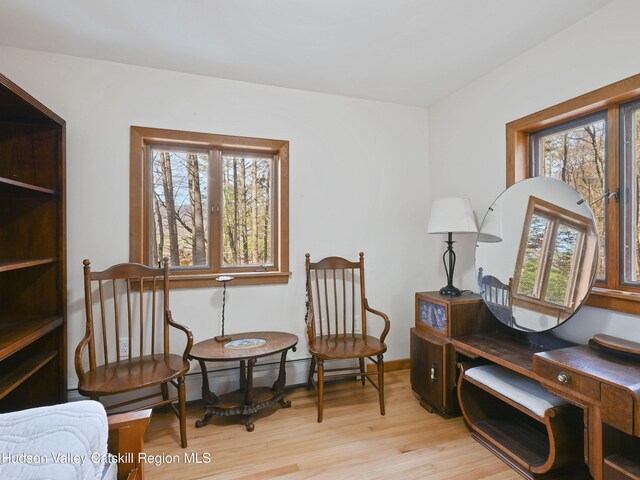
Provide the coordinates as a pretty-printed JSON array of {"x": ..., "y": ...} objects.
[
  {"x": 358, "y": 182},
  {"x": 467, "y": 129}
]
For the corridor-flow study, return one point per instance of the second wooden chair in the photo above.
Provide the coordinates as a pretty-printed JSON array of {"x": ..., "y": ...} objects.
[{"x": 337, "y": 324}]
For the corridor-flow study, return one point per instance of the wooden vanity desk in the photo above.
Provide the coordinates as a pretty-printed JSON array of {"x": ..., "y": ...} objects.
[
  {"x": 605, "y": 386},
  {"x": 545, "y": 444},
  {"x": 503, "y": 347}
]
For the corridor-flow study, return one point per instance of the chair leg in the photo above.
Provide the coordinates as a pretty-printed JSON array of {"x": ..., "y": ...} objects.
[
  {"x": 312, "y": 368},
  {"x": 182, "y": 406},
  {"x": 381, "y": 383},
  {"x": 165, "y": 394},
  {"x": 320, "y": 388},
  {"x": 362, "y": 370}
]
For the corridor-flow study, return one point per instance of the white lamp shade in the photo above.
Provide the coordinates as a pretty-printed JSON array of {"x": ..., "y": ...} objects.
[
  {"x": 452, "y": 215},
  {"x": 491, "y": 228}
]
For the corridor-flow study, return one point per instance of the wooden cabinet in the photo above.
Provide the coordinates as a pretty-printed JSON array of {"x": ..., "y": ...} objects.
[
  {"x": 433, "y": 371},
  {"x": 433, "y": 359},
  {"x": 32, "y": 252}
]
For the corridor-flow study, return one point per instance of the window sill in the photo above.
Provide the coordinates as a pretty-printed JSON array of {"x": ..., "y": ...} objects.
[
  {"x": 626, "y": 302},
  {"x": 209, "y": 280}
]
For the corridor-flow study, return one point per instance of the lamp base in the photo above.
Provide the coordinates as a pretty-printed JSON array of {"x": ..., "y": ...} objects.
[
  {"x": 222, "y": 338},
  {"x": 450, "y": 290}
]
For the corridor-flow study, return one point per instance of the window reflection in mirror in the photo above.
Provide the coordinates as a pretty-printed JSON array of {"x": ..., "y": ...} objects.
[
  {"x": 553, "y": 243},
  {"x": 530, "y": 273}
]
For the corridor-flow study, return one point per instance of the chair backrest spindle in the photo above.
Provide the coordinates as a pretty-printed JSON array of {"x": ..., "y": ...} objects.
[
  {"x": 344, "y": 301},
  {"x": 103, "y": 316},
  {"x": 353, "y": 303},
  {"x": 326, "y": 302},
  {"x": 165, "y": 303},
  {"x": 335, "y": 300},
  {"x": 363, "y": 311},
  {"x": 129, "y": 321},
  {"x": 153, "y": 316},
  {"x": 116, "y": 313},
  {"x": 316, "y": 274},
  {"x": 141, "y": 332}
]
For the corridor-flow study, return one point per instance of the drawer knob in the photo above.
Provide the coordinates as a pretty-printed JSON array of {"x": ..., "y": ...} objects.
[{"x": 564, "y": 377}]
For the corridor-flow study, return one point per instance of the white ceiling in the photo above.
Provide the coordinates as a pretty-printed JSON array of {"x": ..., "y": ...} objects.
[{"x": 404, "y": 51}]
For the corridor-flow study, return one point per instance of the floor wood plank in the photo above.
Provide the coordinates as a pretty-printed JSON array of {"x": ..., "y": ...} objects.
[{"x": 353, "y": 442}]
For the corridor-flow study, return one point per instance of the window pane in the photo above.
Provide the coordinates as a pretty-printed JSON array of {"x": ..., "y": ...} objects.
[
  {"x": 529, "y": 275},
  {"x": 631, "y": 196},
  {"x": 180, "y": 207},
  {"x": 577, "y": 156},
  {"x": 248, "y": 211},
  {"x": 561, "y": 272}
]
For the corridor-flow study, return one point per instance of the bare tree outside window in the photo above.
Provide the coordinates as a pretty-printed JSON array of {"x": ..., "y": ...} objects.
[
  {"x": 631, "y": 192},
  {"x": 247, "y": 222},
  {"x": 180, "y": 196},
  {"x": 529, "y": 279}
]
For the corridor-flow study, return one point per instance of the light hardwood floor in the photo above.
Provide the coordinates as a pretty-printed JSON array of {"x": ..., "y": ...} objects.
[{"x": 353, "y": 442}]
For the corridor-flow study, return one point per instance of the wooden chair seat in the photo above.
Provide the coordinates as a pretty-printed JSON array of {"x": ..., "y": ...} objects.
[
  {"x": 133, "y": 374},
  {"x": 333, "y": 347}
]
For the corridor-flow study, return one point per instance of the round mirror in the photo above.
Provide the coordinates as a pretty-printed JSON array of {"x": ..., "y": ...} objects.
[{"x": 537, "y": 254}]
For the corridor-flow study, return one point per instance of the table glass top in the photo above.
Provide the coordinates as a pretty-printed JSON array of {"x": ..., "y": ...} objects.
[{"x": 245, "y": 343}]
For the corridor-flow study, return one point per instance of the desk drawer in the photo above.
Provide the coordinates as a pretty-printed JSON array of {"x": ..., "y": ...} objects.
[
  {"x": 617, "y": 408},
  {"x": 565, "y": 377}
]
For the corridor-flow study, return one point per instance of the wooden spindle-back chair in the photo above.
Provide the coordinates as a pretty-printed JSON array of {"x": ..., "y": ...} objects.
[
  {"x": 133, "y": 303},
  {"x": 497, "y": 296},
  {"x": 337, "y": 324}
]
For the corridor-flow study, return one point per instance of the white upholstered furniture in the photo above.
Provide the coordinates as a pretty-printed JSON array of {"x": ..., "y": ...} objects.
[{"x": 70, "y": 441}]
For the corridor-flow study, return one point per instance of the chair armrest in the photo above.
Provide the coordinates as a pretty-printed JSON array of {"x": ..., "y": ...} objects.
[
  {"x": 186, "y": 331},
  {"x": 77, "y": 359},
  {"x": 126, "y": 438},
  {"x": 387, "y": 324},
  {"x": 310, "y": 321}
]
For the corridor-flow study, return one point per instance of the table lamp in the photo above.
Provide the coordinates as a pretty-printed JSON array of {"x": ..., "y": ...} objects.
[
  {"x": 451, "y": 215},
  {"x": 224, "y": 279}
]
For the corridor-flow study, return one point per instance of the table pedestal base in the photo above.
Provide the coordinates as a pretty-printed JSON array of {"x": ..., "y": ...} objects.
[
  {"x": 232, "y": 404},
  {"x": 247, "y": 400}
]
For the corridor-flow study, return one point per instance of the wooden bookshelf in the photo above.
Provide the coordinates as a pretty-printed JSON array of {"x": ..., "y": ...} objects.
[
  {"x": 8, "y": 264},
  {"x": 32, "y": 252},
  {"x": 14, "y": 187},
  {"x": 17, "y": 334},
  {"x": 14, "y": 378}
]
